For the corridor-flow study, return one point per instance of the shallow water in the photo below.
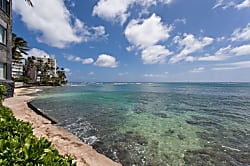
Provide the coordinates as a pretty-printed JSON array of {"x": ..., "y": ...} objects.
[{"x": 157, "y": 123}]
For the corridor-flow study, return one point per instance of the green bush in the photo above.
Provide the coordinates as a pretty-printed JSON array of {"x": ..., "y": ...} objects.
[
  {"x": 22, "y": 79},
  {"x": 18, "y": 145},
  {"x": 3, "y": 91}
]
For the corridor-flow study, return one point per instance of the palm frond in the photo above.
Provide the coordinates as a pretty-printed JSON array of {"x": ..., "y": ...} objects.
[
  {"x": 19, "y": 47},
  {"x": 29, "y": 2}
]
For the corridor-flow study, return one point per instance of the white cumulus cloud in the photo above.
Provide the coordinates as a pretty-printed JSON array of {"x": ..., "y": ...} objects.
[
  {"x": 241, "y": 34},
  {"x": 221, "y": 54},
  {"x": 37, "y": 53},
  {"x": 67, "y": 70},
  {"x": 218, "y": 3},
  {"x": 105, "y": 60},
  {"x": 241, "y": 50},
  {"x": 79, "y": 59},
  {"x": 233, "y": 66},
  {"x": 53, "y": 22},
  {"x": 112, "y": 10},
  {"x": 180, "y": 20},
  {"x": 118, "y": 10},
  {"x": 147, "y": 32},
  {"x": 244, "y": 4},
  {"x": 152, "y": 2},
  {"x": 227, "y": 4},
  {"x": 189, "y": 44},
  {"x": 227, "y": 52},
  {"x": 197, "y": 70},
  {"x": 87, "y": 61},
  {"x": 150, "y": 75},
  {"x": 155, "y": 54}
]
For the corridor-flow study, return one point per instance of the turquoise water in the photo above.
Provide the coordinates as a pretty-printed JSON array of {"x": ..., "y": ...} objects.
[{"x": 155, "y": 124}]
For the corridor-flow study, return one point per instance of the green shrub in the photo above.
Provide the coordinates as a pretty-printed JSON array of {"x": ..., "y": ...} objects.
[
  {"x": 22, "y": 79},
  {"x": 3, "y": 91},
  {"x": 18, "y": 145}
]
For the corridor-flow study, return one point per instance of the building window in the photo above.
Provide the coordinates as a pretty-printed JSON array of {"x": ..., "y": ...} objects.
[
  {"x": 5, "y": 6},
  {"x": 2, "y": 71},
  {"x": 2, "y": 35}
]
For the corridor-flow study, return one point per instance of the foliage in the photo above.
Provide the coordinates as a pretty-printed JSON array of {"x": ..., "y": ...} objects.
[
  {"x": 22, "y": 79},
  {"x": 36, "y": 67},
  {"x": 18, "y": 145},
  {"x": 60, "y": 79},
  {"x": 19, "y": 47},
  {"x": 3, "y": 91},
  {"x": 29, "y": 2},
  {"x": 61, "y": 76}
]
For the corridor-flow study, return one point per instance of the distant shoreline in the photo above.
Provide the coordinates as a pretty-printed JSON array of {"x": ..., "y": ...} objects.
[{"x": 65, "y": 142}]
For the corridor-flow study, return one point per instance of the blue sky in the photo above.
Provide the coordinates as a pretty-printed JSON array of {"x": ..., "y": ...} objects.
[{"x": 140, "y": 40}]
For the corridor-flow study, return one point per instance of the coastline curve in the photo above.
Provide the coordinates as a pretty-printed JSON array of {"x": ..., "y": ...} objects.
[{"x": 64, "y": 141}]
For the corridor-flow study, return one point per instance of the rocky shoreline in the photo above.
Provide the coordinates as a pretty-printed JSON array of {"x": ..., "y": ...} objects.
[{"x": 65, "y": 142}]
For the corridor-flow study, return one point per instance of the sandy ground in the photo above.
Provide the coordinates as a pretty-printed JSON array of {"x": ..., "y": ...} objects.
[{"x": 65, "y": 142}]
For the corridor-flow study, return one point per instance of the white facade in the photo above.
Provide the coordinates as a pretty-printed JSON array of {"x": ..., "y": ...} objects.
[
  {"x": 42, "y": 64},
  {"x": 51, "y": 63},
  {"x": 17, "y": 69}
]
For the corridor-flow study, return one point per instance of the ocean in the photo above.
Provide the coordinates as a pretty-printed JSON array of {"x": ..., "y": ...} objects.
[{"x": 156, "y": 124}]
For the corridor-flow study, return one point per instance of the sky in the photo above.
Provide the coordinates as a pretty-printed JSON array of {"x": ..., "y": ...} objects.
[{"x": 140, "y": 40}]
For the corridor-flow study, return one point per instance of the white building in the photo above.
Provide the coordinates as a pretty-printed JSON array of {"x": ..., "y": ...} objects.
[
  {"x": 51, "y": 64},
  {"x": 40, "y": 65},
  {"x": 17, "y": 69}
]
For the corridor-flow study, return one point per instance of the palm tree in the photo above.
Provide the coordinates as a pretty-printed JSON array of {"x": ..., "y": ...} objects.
[
  {"x": 61, "y": 76},
  {"x": 19, "y": 47},
  {"x": 30, "y": 70},
  {"x": 31, "y": 61},
  {"x": 29, "y": 2}
]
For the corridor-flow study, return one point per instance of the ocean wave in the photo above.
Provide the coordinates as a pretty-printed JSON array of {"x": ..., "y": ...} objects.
[
  {"x": 38, "y": 90},
  {"x": 91, "y": 140},
  {"x": 127, "y": 83},
  {"x": 120, "y": 83},
  {"x": 76, "y": 84}
]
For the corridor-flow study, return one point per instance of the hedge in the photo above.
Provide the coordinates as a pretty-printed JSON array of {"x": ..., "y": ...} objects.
[{"x": 18, "y": 145}]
